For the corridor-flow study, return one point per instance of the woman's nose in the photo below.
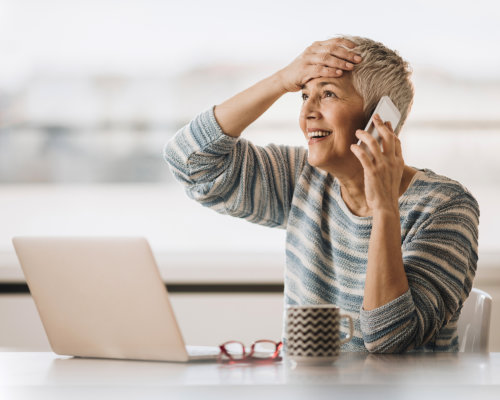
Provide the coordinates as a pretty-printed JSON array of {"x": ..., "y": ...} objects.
[{"x": 310, "y": 109}]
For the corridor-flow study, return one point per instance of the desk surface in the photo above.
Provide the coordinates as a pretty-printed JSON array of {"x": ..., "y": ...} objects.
[{"x": 418, "y": 376}]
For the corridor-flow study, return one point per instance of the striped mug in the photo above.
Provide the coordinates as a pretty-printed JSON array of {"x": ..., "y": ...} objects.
[{"x": 313, "y": 333}]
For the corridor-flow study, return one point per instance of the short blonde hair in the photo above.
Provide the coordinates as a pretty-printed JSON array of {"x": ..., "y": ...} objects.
[{"x": 382, "y": 72}]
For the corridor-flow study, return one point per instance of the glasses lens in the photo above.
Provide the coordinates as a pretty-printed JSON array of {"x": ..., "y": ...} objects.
[
  {"x": 235, "y": 350},
  {"x": 264, "y": 349}
]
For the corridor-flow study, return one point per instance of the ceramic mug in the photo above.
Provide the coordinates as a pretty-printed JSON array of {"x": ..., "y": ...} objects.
[{"x": 313, "y": 333}]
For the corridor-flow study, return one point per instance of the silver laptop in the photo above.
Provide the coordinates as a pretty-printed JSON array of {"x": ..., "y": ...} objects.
[{"x": 103, "y": 297}]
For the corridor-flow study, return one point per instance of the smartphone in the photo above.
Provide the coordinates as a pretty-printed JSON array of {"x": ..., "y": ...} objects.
[{"x": 388, "y": 112}]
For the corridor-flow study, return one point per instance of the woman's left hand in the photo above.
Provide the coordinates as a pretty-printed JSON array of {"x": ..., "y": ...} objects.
[{"x": 383, "y": 173}]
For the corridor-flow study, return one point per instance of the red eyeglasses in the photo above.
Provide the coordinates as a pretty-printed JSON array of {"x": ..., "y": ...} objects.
[{"x": 261, "y": 350}]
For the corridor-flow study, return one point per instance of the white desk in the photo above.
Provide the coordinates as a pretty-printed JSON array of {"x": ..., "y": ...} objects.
[{"x": 353, "y": 376}]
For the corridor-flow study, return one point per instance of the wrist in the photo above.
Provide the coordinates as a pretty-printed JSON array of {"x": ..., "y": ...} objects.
[
  {"x": 280, "y": 81},
  {"x": 386, "y": 213}
]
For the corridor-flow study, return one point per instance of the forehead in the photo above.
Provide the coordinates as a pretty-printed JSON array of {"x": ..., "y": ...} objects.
[{"x": 344, "y": 82}]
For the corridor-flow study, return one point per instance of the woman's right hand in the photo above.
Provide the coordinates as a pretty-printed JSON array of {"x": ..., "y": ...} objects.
[{"x": 321, "y": 59}]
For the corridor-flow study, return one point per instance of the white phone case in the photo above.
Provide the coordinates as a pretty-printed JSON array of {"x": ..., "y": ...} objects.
[{"x": 388, "y": 112}]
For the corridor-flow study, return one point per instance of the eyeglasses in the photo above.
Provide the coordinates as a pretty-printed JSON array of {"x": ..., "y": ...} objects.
[{"x": 261, "y": 350}]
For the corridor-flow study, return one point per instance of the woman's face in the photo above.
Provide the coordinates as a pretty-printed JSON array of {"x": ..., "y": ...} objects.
[{"x": 331, "y": 112}]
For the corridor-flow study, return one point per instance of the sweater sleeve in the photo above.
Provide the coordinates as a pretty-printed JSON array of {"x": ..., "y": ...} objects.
[
  {"x": 440, "y": 264},
  {"x": 233, "y": 176}
]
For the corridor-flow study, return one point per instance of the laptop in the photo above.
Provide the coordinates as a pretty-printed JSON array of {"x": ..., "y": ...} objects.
[{"x": 103, "y": 298}]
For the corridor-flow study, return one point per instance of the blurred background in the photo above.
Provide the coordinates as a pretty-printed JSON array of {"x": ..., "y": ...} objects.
[{"x": 90, "y": 92}]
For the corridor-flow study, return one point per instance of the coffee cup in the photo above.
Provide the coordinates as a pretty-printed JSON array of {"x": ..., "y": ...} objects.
[{"x": 313, "y": 333}]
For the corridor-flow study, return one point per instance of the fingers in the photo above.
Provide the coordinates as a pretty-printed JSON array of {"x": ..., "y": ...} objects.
[
  {"x": 341, "y": 48},
  {"x": 334, "y": 53},
  {"x": 386, "y": 134},
  {"x": 398, "y": 151},
  {"x": 362, "y": 156},
  {"x": 316, "y": 71},
  {"x": 328, "y": 59},
  {"x": 327, "y": 72},
  {"x": 370, "y": 142},
  {"x": 392, "y": 151},
  {"x": 324, "y": 58}
]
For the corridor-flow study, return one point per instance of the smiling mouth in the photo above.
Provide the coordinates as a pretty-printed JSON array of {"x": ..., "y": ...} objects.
[{"x": 318, "y": 134}]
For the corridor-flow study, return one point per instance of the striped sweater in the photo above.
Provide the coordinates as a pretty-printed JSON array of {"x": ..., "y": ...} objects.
[{"x": 327, "y": 245}]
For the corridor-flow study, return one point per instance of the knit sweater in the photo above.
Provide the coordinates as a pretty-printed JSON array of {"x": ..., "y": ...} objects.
[{"x": 327, "y": 245}]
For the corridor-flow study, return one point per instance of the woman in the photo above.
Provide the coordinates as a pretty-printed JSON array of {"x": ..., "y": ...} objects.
[{"x": 393, "y": 246}]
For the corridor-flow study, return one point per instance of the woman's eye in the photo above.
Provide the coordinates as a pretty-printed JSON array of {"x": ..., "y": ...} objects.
[{"x": 326, "y": 93}]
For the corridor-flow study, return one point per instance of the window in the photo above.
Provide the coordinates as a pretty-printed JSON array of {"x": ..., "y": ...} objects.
[{"x": 90, "y": 91}]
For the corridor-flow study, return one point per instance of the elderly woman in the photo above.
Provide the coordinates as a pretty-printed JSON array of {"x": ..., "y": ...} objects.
[{"x": 393, "y": 246}]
